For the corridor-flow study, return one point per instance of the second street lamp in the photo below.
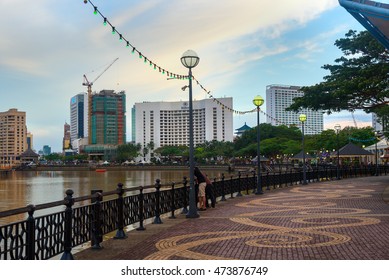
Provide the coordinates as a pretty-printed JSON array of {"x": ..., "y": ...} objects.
[
  {"x": 376, "y": 153},
  {"x": 337, "y": 129},
  {"x": 190, "y": 59},
  {"x": 258, "y": 101},
  {"x": 302, "y": 119}
]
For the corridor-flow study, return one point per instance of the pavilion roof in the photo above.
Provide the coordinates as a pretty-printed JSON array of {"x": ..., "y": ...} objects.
[
  {"x": 351, "y": 149},
  {"x": 29, "y": 153},
  {"x": 243, "y": 128},
  {"x": 300, "y": 156}
]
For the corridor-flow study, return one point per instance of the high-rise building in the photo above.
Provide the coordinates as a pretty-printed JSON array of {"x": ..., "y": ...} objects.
[
  {"x": 280, "y": 97},
  {"x": 66, "y": 137},
  {"x": 78, "y": 118},
  {"x": 46, "y": 150},
  {"x": 13, "y": 137},
  {"x": 167, "y": 123},
  {"x": 30, "y": 142},
  {"x": 108, "y": 119},
  {"x": 375, "y": 122}
]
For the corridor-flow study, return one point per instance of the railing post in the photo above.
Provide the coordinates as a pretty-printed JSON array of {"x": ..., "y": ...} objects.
[
  {"x": 223, "y": 189},
  {"x": 231, "y": 188},
  {"x": 172, "y": 205},
  {"x": 254, "y": 181},
  {"x": 267, "y": 181},
  {"x": 185, "y": 208},
  {"x": 97, "y": 232},
  {"x": 69, "y": 201},
  {"x": 280, "y": 179},
  {"x": 214, "y": 183},
  {"x": 247, "y": 183},
  {"x": 141, "y": 209},
  {"x": 327, "y": 173},
  {"x": 239, "y": 184},
  {"x": 157, "y": 219},
  {"x": 30, "y": 234},
  {"x": 120, "y": 234}
]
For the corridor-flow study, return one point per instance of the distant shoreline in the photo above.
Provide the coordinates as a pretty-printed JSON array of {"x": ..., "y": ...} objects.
[{"x": 123, "y": 168}]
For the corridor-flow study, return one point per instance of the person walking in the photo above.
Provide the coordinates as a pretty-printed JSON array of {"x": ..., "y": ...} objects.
[{"x": 202, "y": 184}]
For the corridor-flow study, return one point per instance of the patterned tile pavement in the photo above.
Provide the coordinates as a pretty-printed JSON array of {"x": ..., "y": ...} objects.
[{"x": 334, "y": 220}]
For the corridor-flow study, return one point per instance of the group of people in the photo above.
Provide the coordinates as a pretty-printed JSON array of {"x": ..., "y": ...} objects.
[{"x": 204, "y": 190}]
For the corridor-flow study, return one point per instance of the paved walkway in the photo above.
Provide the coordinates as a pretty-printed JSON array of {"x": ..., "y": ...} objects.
[{"x": 334, "y": 220}]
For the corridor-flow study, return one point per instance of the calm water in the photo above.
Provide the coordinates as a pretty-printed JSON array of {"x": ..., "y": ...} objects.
[{"x": 19, "y": 189}]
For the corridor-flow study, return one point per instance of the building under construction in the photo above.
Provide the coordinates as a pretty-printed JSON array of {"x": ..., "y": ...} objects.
[
  {"x": 108, "y": 125},
  {"x": 108, "y": 120}
]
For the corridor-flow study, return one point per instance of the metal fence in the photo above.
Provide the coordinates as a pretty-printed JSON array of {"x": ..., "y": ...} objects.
[{"x": 44, "y": 237}]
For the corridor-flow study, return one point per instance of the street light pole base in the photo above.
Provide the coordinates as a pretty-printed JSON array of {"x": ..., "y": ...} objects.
[
  {"x": 258, "y": 192},
  {"x": 192, "y": 215}
]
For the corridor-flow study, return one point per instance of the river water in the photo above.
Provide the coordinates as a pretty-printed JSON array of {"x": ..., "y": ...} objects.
[{"x": 21, "y": 188}]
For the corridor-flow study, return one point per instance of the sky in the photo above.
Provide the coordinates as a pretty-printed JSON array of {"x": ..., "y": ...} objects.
[{"x": 47, "y": 47}]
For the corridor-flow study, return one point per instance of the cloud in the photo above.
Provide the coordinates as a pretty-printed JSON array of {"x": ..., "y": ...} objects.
[
  {"x": 56, "y": 42},
  {"x": 25, "y": 65}
]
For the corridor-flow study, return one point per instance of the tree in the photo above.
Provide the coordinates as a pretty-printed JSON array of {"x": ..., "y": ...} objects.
[
  {"x": 214, "y": 148},
  {"x": 171, "y": 151},
  {"x": 358, "y": 80},
  {"x": 245, "y": 145},
  {"x": 127, "y": 151}
]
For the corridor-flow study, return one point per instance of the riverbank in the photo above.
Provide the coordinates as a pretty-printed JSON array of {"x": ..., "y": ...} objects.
[{"x": 222, "y": 168}]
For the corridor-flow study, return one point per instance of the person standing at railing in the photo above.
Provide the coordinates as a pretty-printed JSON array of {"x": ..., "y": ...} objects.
[
  {"x": 209, "y": 194},
  {"x": 202, "y": 184}
]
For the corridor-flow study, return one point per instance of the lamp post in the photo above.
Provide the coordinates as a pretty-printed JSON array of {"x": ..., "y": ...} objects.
[
  {"x": 337, "y": 129},
  {"x": 376, "y": 153},
  {"x": 302, "y": 119},
  {"x": 190, "y": 59},
  {"x": 258, "y": 101}
]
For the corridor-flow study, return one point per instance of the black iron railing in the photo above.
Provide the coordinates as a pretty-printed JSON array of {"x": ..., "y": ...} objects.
[{"x": 44, "y": 237}]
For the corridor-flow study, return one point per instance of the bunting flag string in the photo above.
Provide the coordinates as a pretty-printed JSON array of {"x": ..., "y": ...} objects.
[
  {"x": 170, "y": 74},
  {"x": 363, "y": 140},
  {"x": 133, "y": 49}
]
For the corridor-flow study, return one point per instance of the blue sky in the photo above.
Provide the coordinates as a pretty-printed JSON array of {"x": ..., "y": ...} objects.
[{"x": 47, "y": 46}]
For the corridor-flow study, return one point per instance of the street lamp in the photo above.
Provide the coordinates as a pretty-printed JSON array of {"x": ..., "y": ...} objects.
[
  {"x": 190, "y": 59},
  {"x": 337, "y": 129},
  {"x": 258, "y": 101},
  {"x": 302, "y": 119}
]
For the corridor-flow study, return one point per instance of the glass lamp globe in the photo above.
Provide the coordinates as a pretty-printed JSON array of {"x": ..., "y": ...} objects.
[
  {"x": 303, "y": 118},
  {"x": 190, "y": 59},
  {"x": 258, "y": 100}
]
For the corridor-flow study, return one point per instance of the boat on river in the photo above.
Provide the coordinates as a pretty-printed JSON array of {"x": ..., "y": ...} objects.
[{"x": 101, "y": 170}]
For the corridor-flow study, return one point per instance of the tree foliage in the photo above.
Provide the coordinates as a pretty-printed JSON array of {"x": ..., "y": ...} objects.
[
  {"x": 172, "y": 151},
  {"x": 127, "y": 151},
  {"x": 358, "y": 80},
  {"x": 276, "y": 142}
]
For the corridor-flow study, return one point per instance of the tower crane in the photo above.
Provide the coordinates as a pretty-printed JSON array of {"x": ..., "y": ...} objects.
[
  {"x": 355, "y": 122},
  {"x": 89, "y": 85}
]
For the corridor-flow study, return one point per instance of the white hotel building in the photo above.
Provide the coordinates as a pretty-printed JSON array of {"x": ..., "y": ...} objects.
[
  {"x": 280, "y": 97},
  {"x": 167, "y": 123}
]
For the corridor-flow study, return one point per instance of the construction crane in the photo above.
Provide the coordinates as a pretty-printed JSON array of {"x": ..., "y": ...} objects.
[
  {"x": 89, "y": 85},
  {"x": 355, "y": 122}
]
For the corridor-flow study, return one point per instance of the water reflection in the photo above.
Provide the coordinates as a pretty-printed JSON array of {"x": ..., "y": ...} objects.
[{"x": 19, "y": 189}]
